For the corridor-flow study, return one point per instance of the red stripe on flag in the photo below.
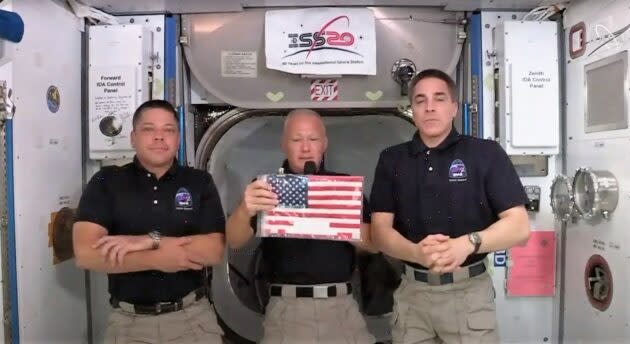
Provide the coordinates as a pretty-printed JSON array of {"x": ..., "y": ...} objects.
[
  {"x": 334, "y": 198},
  {"x": 345, "y": 236},
  {"x": 280, "y": 222},
  {"x": 296, "y": 213},
  {"x": 345, "y": 225},
  {"x": 333, "y": 188},
  {"x": 334, "y": 206},
  {"x": 322, "y": 178}
]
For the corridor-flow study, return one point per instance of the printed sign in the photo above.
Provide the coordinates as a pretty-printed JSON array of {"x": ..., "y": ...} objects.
[
  {"x": 322, "y": 41},
  {"x": 324, "y": 90},
  {"x": 113, "y": 99},
  {"x": 239, "y": 64},
  {"x": 532, "y": 270}
]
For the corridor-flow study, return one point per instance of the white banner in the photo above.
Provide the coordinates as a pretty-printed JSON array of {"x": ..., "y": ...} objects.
[{"x": 323, "y": 41}]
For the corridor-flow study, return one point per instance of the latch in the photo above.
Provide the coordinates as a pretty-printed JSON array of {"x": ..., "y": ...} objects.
[
  {"x": 598, "y": 281},
  {"x": 402, "y": 72},
  {"x": 533, "y": 194},
  {"x": 599, "y": 285}
]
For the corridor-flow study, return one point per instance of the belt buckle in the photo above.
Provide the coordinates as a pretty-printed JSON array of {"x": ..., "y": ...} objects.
[
  {"x": 433, "y": 279},
  {"x": 320, "y": 292},
  {"x": 159, "y": 307}
]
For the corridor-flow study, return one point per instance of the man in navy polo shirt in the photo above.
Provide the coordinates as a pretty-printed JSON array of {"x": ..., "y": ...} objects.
[
  {"x": 152, "y": 226},
  {"x": 440, "y": 203}
]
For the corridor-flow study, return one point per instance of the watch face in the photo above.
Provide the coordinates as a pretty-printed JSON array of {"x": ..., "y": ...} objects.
[{"x": 474, "y": 238}]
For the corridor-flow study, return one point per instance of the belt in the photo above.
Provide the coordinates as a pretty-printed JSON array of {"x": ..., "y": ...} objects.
[
  {"x": 159, "y": 307},
  {"x": 314, "y": 291},
  {"x": 464, "y": 273}
]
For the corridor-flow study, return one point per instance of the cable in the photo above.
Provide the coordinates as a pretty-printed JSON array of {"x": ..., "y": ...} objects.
[
  {"x": 536, "y": 10},
  {"x": 426, "y": 20},
  {"x": 614, "y": 37},
  {"x": 544, "y": 12}
]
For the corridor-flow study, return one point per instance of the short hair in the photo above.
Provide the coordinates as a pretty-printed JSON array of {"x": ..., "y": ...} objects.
[
  {"x": 153, "y": 104},
  {"x": 297, "y": 112},
  {"x": 437, "y": 74}
]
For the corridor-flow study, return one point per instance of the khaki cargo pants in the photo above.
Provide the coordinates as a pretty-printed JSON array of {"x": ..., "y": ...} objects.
[
  {"x": 196, "y": 323},
  {"x": 301, "y": 320},
  {"x": 462, "y": 312}
]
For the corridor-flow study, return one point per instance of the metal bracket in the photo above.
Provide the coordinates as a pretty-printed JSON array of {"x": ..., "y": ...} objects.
[
  {"x": 461, "y": 35},
  {"x": 7, "y": 108}
]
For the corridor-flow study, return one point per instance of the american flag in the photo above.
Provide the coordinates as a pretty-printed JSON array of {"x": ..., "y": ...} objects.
[{"x": 315, "y": 207}]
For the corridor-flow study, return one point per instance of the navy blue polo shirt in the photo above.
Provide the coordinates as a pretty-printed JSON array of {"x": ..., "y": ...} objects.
[
  {"x": 308, "y": 261},
  {"x": 454, "y": 189},
  {"x": 130, "y": 200}
]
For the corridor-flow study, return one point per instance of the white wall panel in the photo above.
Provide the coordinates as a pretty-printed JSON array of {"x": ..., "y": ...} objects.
[{"x": 47, "y": 168}]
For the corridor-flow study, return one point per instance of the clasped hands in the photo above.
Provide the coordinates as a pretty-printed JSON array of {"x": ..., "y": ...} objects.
[{"x": 441, "y": 254}]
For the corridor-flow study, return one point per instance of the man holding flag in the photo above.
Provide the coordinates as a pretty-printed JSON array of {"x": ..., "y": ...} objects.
[{"x": 311, "y": 296}]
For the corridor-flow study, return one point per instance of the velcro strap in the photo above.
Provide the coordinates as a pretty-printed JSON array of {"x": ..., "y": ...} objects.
[
  {"x": 466, "y": 272},
  {"x": 316, "y": 291}
]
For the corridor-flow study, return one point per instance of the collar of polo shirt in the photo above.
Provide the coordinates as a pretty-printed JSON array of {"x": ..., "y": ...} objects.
[
  {"x": 418, "y": 146},
  {"x": 139, "y": 168},
  {"x": 287, "y": 168}
]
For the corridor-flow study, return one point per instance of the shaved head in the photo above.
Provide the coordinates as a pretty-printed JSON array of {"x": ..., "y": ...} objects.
[
  {"x": 304, "y": 138},
  {"x": 299, "y": 115}
]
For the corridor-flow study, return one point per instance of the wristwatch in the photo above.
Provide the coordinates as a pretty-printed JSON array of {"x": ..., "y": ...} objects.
[
  {"x": 155, "y": 236},
  {"x": 475, "y": 239}
]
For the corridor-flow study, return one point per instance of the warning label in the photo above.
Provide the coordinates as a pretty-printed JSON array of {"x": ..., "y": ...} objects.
[{"x": 239, "y": 64}]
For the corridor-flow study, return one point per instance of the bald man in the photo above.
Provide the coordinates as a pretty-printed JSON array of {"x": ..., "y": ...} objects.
[{"x": 311, "y": 295}]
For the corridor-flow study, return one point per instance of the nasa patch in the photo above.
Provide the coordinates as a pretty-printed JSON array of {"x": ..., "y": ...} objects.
[
  {"x": 183, "y": 199},
  {"x": 457, "y": 171}
]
